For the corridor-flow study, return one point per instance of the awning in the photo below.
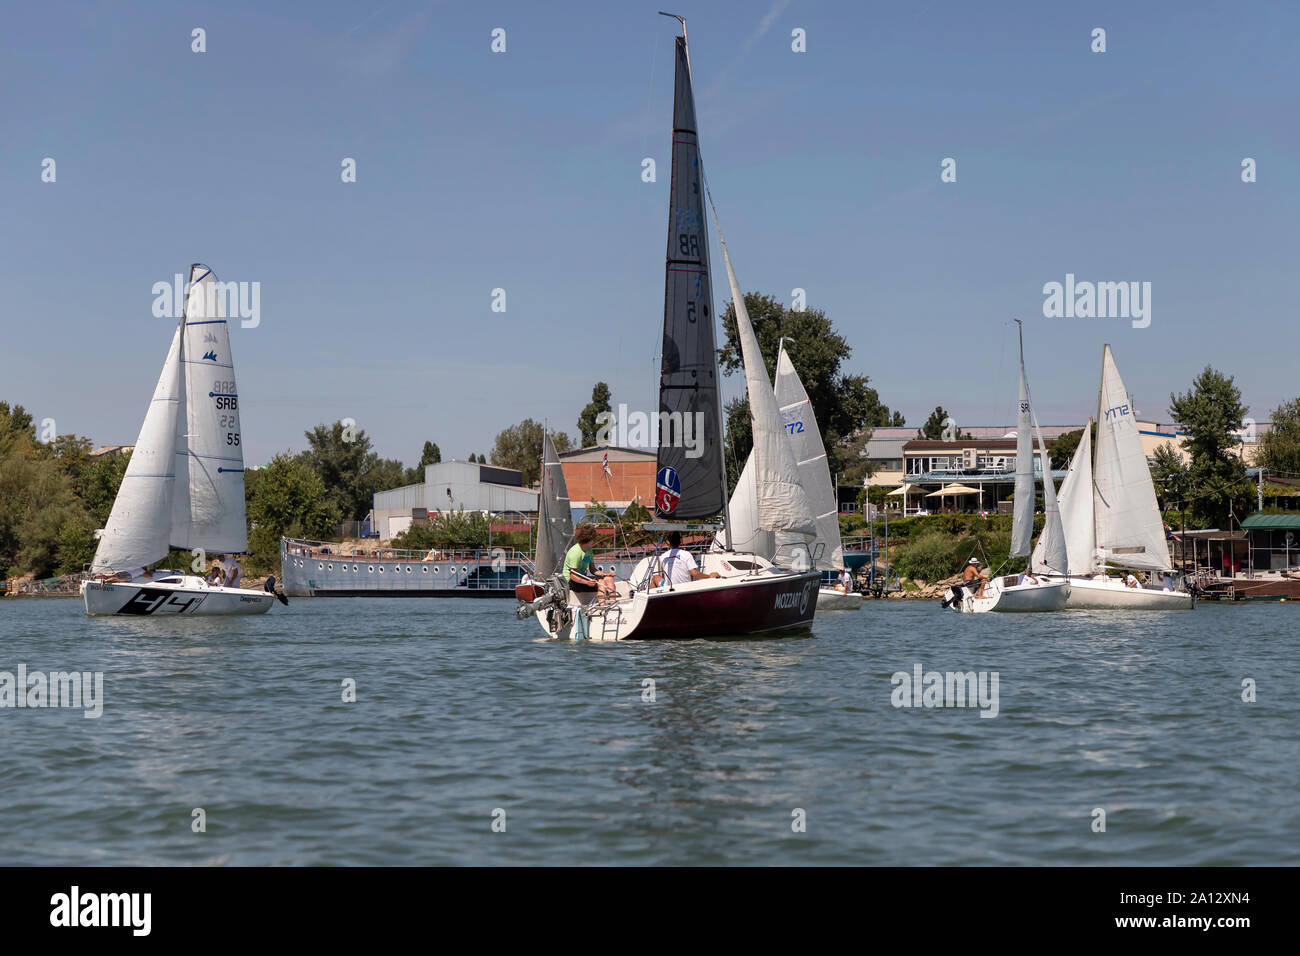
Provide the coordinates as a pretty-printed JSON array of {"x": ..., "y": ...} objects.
[
  {"x": 900, "y": 490},
  {"x": 953, "y": 490}
]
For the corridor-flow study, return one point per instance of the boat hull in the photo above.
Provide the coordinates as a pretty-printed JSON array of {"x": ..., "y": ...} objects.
[
  {"x": 1096, "y": 594},
  {"x": 190, "y": 597},
  {"x": 745, "y": 602},
  {"x": 1045, "y": 596}
]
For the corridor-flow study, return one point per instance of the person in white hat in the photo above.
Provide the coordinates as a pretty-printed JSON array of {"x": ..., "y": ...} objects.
[{"x": 971, "y": 577}]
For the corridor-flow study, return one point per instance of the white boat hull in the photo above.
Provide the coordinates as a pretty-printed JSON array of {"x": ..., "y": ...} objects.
[
  {"x": 188, "y": 595},
  {"x": 1007, "y": 598},
  {"x": 1093, "y": 593},
  {"x": 829, "y": 599}
]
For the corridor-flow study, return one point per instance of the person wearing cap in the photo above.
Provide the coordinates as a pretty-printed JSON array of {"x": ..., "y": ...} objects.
[{"x": 971, "y": 577}]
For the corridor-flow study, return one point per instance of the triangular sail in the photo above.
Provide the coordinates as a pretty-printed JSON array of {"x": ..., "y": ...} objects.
[
  {"x": 742, "y": 513},
  {"x": 1130, "y": 529},
  {"x": 1052, "y": 539},
  {"x": 810, "y": 455},
  {"x": 689, "y": 482},
  {"x": 208, "y": 511},
  {"x": 554, "y": 515},
  {"x": 1022, "y": 520},
  {"x": 139, "y": 527},
  {"x": 782, "y": 504},
  {"x": 1075, "y": 500}
]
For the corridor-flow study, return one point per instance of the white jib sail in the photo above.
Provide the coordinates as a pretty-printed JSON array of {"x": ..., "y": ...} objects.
[
  {"x": 1130, "y": 529},
  {"x": 1022, "y": 520},
  {"x": 209, "y": 506},
  {"x": 810, "y": 455},
  {"x": 782, "y": 504},
  {"x": 746, "y": 536},
  {"x": 1053, "y": 537},
  {"x": 139, "y": 526},
  {"x": 1075, "y": 500}
]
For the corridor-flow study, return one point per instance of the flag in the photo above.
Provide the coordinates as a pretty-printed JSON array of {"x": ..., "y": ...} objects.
[
  {"x": 605, "y": 464},
  {"x": 1169, "y": 532}
]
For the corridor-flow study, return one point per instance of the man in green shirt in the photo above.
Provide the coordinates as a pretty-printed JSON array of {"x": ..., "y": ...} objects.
[{"x": 577, "y": 566}]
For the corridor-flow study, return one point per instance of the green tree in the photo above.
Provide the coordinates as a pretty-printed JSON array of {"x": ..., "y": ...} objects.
[
  {"x": 935, "y": 425},
  {"x": 36, "y": 499},
  {"x": 16, "y": 420},
  {"x": 1279, "y": 449},
  {"x": 520, "y": 447},
  {"x": 1211, "y": 413},
  {"x": 102, "y": 481},
  {"x": 431, "y": 455},
  {"x": 342, "y": 457},
  {"x": 290, "y": 499},
  {"x": 846, "y": 406},
  {"x": 587, "y": 423}
]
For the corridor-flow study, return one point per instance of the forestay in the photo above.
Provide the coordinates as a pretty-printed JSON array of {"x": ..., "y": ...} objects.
[{"x": 139, "y": 527}]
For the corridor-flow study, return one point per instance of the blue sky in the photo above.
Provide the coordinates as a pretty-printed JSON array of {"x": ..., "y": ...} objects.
[{"x": 521, "y": 171}]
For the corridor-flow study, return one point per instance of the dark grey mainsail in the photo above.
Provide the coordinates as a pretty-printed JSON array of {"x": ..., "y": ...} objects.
[
  {"x": 689, "y": 482},
  {"x": 554, "y": 519}
]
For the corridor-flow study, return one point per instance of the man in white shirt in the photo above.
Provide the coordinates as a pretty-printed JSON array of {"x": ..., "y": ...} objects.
[
  {"x": 679, "y": 565},
  {"x": 1131, "y": 581},
  {"x": 234, "y": 573},
  {"x": 846, "y": 581}
]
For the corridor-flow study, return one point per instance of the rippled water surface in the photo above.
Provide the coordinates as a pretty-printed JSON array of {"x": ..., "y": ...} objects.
[{"x": 461, "y": 711}]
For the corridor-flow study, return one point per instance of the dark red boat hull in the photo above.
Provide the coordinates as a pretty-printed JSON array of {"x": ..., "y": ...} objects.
[{"x": 766, "y": 605}]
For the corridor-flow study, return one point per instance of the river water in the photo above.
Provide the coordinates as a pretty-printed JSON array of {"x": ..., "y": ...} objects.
[{"x": 473, "y": 741}]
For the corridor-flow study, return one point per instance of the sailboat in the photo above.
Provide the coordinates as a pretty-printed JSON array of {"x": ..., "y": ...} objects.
[
  {"x": 827, "y": 549},
  {"x": 1109, "y": 511},
  {"x": 554, "y": 525},
  {"x": 184, "y": 485},
  {"x": 742, "y": 593},
  {"x": 1014, "y": 593}
]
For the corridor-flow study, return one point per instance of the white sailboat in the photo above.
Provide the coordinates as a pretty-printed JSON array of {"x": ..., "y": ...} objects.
[
  {"x": 745, "y": 594},
  {"x": 1013, "y": 592},
  {"x": 827, "y": 549},
  {"x": 1110, "y": 513},
  {"x": 184, "y": 485}
]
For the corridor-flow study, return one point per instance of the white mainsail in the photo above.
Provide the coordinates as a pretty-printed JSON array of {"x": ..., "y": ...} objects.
[
  {"x": 208, "y": 511},
  {"x": 781, "y": 502},
  {"x": 810, "y": 455},
  {"x": 1130, "y": 530},
  {"x": 1075, "y": 501},
  {"x": 139, "y": 526},
  {"x": 1022, "y": 520}
]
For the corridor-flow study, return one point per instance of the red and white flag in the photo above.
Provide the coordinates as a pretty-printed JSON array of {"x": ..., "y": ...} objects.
[{"x": 605, "y": 463}]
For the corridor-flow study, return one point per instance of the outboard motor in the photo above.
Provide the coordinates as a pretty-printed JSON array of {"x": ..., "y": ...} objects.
[
  {"x": 271, "y": 588},
  {"x": 952, "y": 597}
]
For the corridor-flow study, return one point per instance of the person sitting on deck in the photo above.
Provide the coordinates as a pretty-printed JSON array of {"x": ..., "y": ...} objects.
[
  {"x": 577, "y": 566},
  {"x": 1027, "y": 578},
  {"x": 846, "y": 582},
  {"x": 971, "y": 575},
  {"x": 678, "y": 565},
  {"x": 217, "y": 573},
  {"x": 135, "y": 574},
  {"x": 1131, "y": 581}
]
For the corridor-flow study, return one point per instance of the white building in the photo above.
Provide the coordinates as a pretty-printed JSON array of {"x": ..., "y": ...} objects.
[{"x": 452, "y": 486}]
